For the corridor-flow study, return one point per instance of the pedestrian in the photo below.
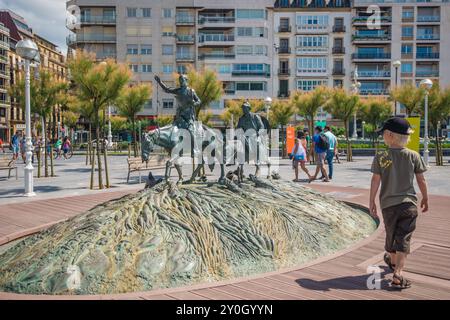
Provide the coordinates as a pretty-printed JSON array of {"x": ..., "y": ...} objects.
[
  {"x": 1, "y": 145},
  {"x": 395, "y": 169},
  {"x": 299, "y": 156},
  {"x": 332, "y": 150},
  {"x": 66, "y": 146},
  {"x": 15, "y": 145},
  {"x": 23, "y": 148},
  {"x": 308, "y": 144},
  {"x": 58, "y": 146},
  {"x": 321, "y": 145}
]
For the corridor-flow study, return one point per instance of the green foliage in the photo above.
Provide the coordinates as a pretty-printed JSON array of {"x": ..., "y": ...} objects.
[
  {"x": 207, "y": 86},
  {"x": 281, "y": 112},
  {"x": 205, "y": 117},
  {"x": 308, "y": 103},
  {"x": 410, "y": 96},
  {"x": 374, "y": 111},
  {"x": 233, "y": 110},
  {"x": 342, "y": 105},
  {"x": 163, "y": 120}
]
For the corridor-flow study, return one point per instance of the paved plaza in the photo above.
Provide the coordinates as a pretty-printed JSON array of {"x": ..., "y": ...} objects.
[{"x": 73, "y": 176}]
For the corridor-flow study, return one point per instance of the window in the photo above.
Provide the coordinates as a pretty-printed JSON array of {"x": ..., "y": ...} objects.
[
  {"x": 167, "y": 68},
  {"x": 2, "y": 112},
  {"x": 167, "y": 49},
  {"x": 134, "y": 67},
  {"x": 181, "y": 69},
  {"x": 260, "y": 32},
  {"x": 167, "y": 13},
  {"x": 261, "y": 50},
  {"x": 312, "y": 22},
  {"x": 245, "y": 32},
  {"x": 250, "y": 86},
  {"x": 147, "y": 12},
  {"x": 308, "y": 85},
  {"x": 148, "y": 104},
  {"x": 146, "y": 68},
  {"x": 250, "y": 14},
  {"x": 312, "y": 43},
  {"x": 167, "y": 103},
  {"x": 146, "y": 31},
  {"x": 131, "y": 12},
  {"x": 407, "y": 67},
  {"x": 146, "y": 49},
  {"x": 132, "y": 49},
  {"x": 244, "y": 50},
  {"x": 312, "y": 64},
  {"x": 408, "y": 31},
  {"x": 167, "y": 31},
  {"x": 132, "y": 31},
  {"x": 407, "y": 48}
]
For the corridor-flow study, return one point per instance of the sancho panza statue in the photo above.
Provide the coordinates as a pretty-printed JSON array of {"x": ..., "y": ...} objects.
[{"x": 187, "y": 100}]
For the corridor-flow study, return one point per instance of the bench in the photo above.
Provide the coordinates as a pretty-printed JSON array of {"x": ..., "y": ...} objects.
[
  {"x": 135, "y": 164},
  {"x": 9, "y": 164}
]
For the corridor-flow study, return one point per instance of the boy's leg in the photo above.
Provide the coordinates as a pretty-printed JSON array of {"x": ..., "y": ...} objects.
[
  {"x": 330, "y": 157},
  {"x": 390, "y": 222}
]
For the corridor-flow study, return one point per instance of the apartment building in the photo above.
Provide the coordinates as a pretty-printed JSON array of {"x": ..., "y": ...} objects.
[
  {"x": 4, "y": 83},
  {"x": 269, "y": 48},
  {"x": 235, "y": 38}
]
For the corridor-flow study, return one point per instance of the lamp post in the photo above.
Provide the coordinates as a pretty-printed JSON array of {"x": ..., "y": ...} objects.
[
  {"x": 426, "y": 84},
  {"x": 356, "y": 85},
  {"x": 268, "y": 103},
  {"x": 29, "y": 51},
  {"x": 363, "y": 124},
  {"x": 396, "y": 64},
  {"x": 109, "y": 127}
]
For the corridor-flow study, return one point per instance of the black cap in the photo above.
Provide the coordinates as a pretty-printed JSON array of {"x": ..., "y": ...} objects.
[{"x": 397, "y": 125}]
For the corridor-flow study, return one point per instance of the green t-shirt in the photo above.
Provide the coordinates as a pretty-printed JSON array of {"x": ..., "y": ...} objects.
[{"x": 397, "y": 168}]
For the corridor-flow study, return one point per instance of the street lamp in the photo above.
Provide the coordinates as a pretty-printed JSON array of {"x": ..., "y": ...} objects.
[
  {"x": 356, "y": 85},
  {"x": 109, "y": 127},
  {"x": 396, "y": 64},
  {"x": 29, "y": 51},
  {"x": 268, "y": 102},
  {"x": 426, "y": 84},
  {"x": 363, "y": 124}
]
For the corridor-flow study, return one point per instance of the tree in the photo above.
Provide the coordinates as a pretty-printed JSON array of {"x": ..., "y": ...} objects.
[
  {"x": 343, "y": 106},
  {"x": 43, "y": 91},
  {"x": 233, "y": 111},
  {"x": 206, "y": 85},
  {"x": 281, "y": 112},
  {"x": 118, "y": 124},
  {"x": 130, "y": 102},
  {"x": 410, "y": 96},
  {"x": 163, "y": 120},
  {"x": 205, "y": 117},
  {"x": 98, "y": 85},
  {"x": 374, "y": 111},
  {"x": 438, "y": 110},
  {"x": 71, "y": 120}
]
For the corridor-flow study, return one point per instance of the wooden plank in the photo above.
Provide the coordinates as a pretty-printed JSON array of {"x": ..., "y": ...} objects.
[
  {"x": 214, "y": 294},
  {"x": 186, "y": 295},
  {"x": 273, "y": 293},
  {"x": 242, "y": 293}
]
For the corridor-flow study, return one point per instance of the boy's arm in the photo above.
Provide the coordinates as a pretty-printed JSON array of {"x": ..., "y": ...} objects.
[
  {"x": 424, "y": 190},
  {"x": 374, "y": 185}
]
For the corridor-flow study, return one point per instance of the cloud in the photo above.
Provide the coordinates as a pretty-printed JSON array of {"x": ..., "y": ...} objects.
[{"x": 47, "y": 18}]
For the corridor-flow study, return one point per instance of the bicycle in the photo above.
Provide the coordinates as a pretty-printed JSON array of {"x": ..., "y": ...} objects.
[{"x": 68, "y": 154}]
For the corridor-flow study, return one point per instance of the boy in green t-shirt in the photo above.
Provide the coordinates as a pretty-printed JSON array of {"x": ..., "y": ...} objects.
[{"x": 395, "y": 169}]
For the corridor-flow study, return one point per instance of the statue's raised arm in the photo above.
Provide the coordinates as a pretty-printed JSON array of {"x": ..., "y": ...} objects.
[{"x": 164, "y": 86}]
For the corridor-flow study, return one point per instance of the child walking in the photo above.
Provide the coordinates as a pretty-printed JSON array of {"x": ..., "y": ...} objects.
[
  {"x": 299, "y": 156},
  {"x": 395, "y": 169}
]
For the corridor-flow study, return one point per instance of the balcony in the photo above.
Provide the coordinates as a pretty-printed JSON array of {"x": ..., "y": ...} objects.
[
  {"x": 184, "y": 20},
  {"x": 284, "y": 50},
  {"x": 216, "y": 38},
  {"x": 283, "y": 94},
  {"x": 338, "y": 29},
  {"x": 375, "y": 55},
  {"x": 98, "y": 20},
  {"x": 428, "y": 37},
  {"x": 4, "y": 45},
  {"x": 4, "y": 74},
  {"x": 338, "y": 71},
  {"x": 284, "y": 72},
  {"x": 185, "y": 38},
  {"x": 427, "y": 55},
  {"x": 371, "y": 35},
  {"x": 312, "y": 50},
  {"x": 427, "y": 18},
  {"x": 374, "y": 73},
  {"x": 90, "y": 38},
  {"x": 185, "y": 57},
  {"x": 106, "y": 55},
  {"x": 4, "y": 59},
  {"x": 338, "y": 50},
  {"x": 229, "y": 90},
  {"x": 284, "y": 28},
  {"x": 363, "y": 19},
  {"x": 207, "y": 56},
  {"x": 215, "y": 19},
  {"x": 427, "y": 73},
  {"x": 373, "y": 91},
  {"x": 312, "y": 28}
]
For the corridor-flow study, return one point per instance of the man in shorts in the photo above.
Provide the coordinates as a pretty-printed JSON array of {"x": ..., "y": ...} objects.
[
  {"x": 321, "y": 154},
  {"x": 395, "y": 169}
]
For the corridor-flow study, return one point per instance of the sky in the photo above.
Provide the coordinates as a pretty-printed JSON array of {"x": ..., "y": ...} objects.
[{"x": 47, "y": 18}]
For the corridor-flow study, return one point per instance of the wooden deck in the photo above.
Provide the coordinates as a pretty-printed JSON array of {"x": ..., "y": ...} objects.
[{"x": 340, "y": 276}]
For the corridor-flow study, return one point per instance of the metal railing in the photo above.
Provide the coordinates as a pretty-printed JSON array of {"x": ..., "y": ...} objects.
[
  {"x": 374, "y": 91},
  {"x": 339, "y": 28},
  {"x": 74, "y": 38},
  {"x": 284, "y": 94},
  {"x": 427, "y": 55},
  {"x": 204, "y": 56},
  {"x": 284, "y": 50},
  {"x": 98, "y": 19},
  {"x": 428, "y": 18},
  {"x": 378, "y": 55},
  {"x": 374, "y": 73},
  {"x": 185, "y": 38},
  {"x": 284, "y": 28},
  {"x": 184, "y": 19},
  {"x": 215, "y": 19},
  {"x": 250, "y": 73},
  {"x": 364, "y": 18},
  {"x": 339, "y": 71},
  {"x": 284, "y": 72},
  {"x": 428, "y": 37},
  {"x": 185, "y": 56},
  {"x": 372, "y": 35},
  {"x": 216, "y": 37},
  {"x": 427, "y": 73},
  {"x": 338, "y": 50}
]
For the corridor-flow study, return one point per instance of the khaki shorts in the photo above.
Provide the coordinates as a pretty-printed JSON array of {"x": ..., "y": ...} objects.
[
  {"x": 320, "y": 158},
  {"x": 399, "y": 223}
]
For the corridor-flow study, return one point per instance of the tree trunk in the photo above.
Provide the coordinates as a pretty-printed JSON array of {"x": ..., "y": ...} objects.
[
  {"x": 92, "y": 166},
  {"x": 45, "y": 148},
  {"x": 88, "y": 149},
  {"x": 347, "y": 140},
  {"x": 134, "y": 136},
  {"x": 312, "y": 156},
  {"x": 38, "y": 155},
  {"x": 99, "y": 158},
  {"x": 438, "y": 150}
]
